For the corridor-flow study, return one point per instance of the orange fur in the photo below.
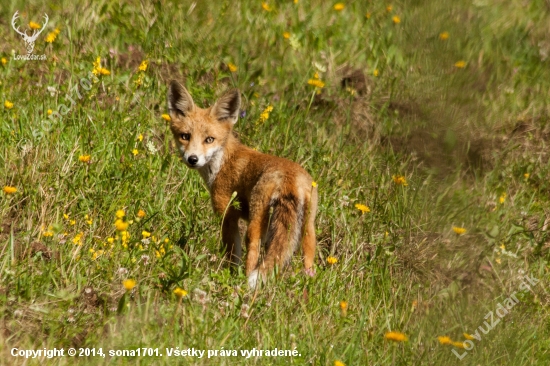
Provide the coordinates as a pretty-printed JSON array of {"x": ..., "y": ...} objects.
[{"x": 275, "y": 195}]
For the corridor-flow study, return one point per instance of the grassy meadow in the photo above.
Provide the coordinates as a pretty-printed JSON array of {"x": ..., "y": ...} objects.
[{"x": 426, "y": 125}]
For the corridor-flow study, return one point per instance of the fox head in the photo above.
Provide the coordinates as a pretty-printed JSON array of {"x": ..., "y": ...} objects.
[{"x": 201, "y": 134}]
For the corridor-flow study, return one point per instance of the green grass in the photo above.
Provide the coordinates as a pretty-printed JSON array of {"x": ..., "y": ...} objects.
[{"x": 464, "y": 139}]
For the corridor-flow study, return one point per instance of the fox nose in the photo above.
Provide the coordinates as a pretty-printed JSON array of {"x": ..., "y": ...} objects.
[{"x": 193, "y": 159}]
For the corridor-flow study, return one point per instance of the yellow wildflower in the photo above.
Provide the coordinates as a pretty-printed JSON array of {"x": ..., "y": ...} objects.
[
  {"x": 179, "y": 292},
  {"x": 362, "y": 208},
  {"x": 34, "y": 25},
  {"x": 498, "y": 260},
  {"x": 52, "y": 36},
  {"x": 166, "y": 117},
  {"x": 444, "y": 36},
  {"x": 72, "y": 222},
  {"x": 396, "y": 336},
  {"x": 140, "y": 137},
  {"x": 265, "y": 114},
  {"x": 339, "y": 6},
  {"x": 121, "y": 225},
  {"x": 77, "y": 240},
  {"x": 232, "y": 67},
  {"x": 389, "y": 8},
  {"x": 469, "y": 337},
  {"x": 9, "y": 190},
  {"x": 120, "y": 214},
  {"x": 375, "y": 72},
  {"x": 526, "y": 176},
  {"x": 4, "y": 60},
  {"x": 141, "y": 214},
  {"x": 286, "y": 35},
  {"x": 266, "y": 6},
  {"x": 98, "y": 70},
  {"x": 459, "y": 230},
  {"x": 49, "y": 112},
  {"x": 396, "y": 20},
  {"x": 129, "y": 284},
  {"x": 145, "y": 234},
  {"x": 332, "y": 260},
  {"x": 399, "y": 180},
  {"x": 344, "y": 307},
  {"x": 143, "y": 65},
  {"x": 460, "y": 64},
  {"x": 458, "y": 344},
  {"x": 8, "y": 104},
  {"x": 110, "y": 240},
  {"x": 314, "y": 184},
  {"x": 135, "y": 152},
  {"x": 444, "y": 340},
  {"x": 316, "y": 83},
  {"x": 84, "y": 158},
  {"x": 66, "y": 216},
  {"x": 339, "y": 363},
  {"x": 502, "y": 198}
]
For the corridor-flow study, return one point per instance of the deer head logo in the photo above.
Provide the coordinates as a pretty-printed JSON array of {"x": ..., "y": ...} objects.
[{"x": 29, "y": 40}]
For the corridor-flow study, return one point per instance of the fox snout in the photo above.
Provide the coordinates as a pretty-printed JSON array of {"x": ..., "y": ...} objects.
[{"x": 193, "y": 160}]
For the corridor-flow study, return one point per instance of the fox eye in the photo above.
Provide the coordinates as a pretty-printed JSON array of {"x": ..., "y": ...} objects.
[
  {"x": 185, "y": 136},
  {"x": 209, "y": 140}
]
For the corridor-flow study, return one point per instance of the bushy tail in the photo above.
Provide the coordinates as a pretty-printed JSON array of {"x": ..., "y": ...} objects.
[{"x": 285, "y": 232}]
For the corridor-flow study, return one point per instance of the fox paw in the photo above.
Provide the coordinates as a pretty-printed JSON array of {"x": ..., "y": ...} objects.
[{"x": 253, "y": 279}]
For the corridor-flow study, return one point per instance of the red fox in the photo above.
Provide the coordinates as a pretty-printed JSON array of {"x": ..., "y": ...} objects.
[{"x": 276, "y": 196}]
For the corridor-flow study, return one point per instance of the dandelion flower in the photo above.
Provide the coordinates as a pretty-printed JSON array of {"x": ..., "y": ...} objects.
[
  {"x": 339, "y": 363},
  {"x": 143, "y": 65},
  {"x": 526, "y": 176},
  {"x": 52, "y": 35},
  {"x": 232, "y": 67},
  {"x": 135, "y": 152},
  {"x": 396, "y": 20},
  {"x": 84, "y": 158},
  {"x": 266, "y": 6},
  {"x": 502, "y": 198},
  {"x": 344, "y": 307},
  {"x": 399, "y": 180},
  {"x": 468, "y": 337},
  {"x": 444, "y": 36},
  {"x": 129, "y": 284},
  {"x": 395, "y": 336},
  {"x": 9, "y": 190},
  {"x": 166, "y": 117},
  {"x": 141, "y": 214},
  {"x": 8, "y": 104},
  {"x": 458, "y": 344},
  {"x": 34, "y": 25},
  {"x": 314, "y": 184},
  {"x": 460, "y": 64},
  {"x": 459, "y": 230},
  {"x": 362, "y": 208},
  {"x": 316, "y": 83},
  {"x": 120, "y": 214},
  {"x": 444, "y": 340},
  {"x": 339, "y": 6},
  {"x": 49, "y": 112},
  {"x": 332, "y": 260},
  {"x": 179, "y": 292},
  {"x": 286, "y": 35},
  {"x": 121, "y": 225}
]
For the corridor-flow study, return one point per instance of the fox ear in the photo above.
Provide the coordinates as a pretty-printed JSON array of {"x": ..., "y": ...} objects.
[
  {"x": 179, "y": 100},
  {"x": 227, "y": 107}
]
